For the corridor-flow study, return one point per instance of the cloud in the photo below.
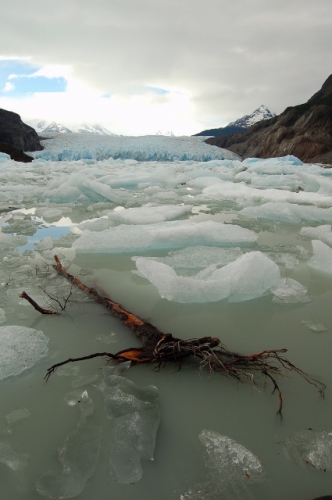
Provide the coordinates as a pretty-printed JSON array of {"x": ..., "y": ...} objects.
[{"x": 224, "y": 58}]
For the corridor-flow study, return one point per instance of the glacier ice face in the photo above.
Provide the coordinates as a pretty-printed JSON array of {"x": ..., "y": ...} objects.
[
  {"x": 249, "y": 276},
  {"x": 165, "y": 235},
  {"x": 21, "y": 348},
  {"x": 135, "y": 417},
  {"x": 73, "y": 147}
]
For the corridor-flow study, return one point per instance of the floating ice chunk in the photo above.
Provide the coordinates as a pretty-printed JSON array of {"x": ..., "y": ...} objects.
[
  {"x": 15, "y": 461},
  {"x": 2, "y": 316},
  {"x": 312, "y": 448},
  {"x": 232, "y": 470},
  {"x": 242, "y": 194},
  {"x": 278, "y": 161},
  {"x": 135, "y": 416},
  {"x": 288, "y": 212},
  {"x": 315, "y": 325},
  {"x": 170, "y": 234},
  {"x": 248, "y": 277},
  {"x": 199, "y": 257},
  {"x": 323, "y": 233},
  {"x": 78, "y": 456},
  {"x": 149, "y": 213},
  {"x": 16, "y": 415},
  {"x": 322, "y": 257},
  {"x": 289, "y": 291},
  {"x": 45, "y": 244},
  {"x": 21, "y": 348},
  {"x": 230, "y": 463},
  {"x": 7, "y": 240}
]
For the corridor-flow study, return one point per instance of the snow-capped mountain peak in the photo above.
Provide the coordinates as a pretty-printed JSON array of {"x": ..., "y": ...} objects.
[
  {"x": 43, "y": 126},
  {"x": 261, "y": 113}
]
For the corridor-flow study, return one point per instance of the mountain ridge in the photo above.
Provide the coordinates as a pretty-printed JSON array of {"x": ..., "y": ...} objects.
[
  {"x": 52, "y": 127},
  {"x": 261, "y": 113},
  {"x": 304, "y": 131}
]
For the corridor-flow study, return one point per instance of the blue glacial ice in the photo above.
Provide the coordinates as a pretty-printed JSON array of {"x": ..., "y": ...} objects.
[
  {"x": 71, "y": 147},
  {"x": 21, "y": 348},
  {"x": 135, "y": 416}
]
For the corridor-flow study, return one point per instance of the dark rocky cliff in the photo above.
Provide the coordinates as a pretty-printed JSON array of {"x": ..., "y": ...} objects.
[
  {"x": 16, "y": 133},
  {"x": 304, "y": 131}
]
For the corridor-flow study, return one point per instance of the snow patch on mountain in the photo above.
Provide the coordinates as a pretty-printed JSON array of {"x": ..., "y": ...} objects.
[
  {"x": 261, "y": 113},
  {"x": 48, "y": 127}
]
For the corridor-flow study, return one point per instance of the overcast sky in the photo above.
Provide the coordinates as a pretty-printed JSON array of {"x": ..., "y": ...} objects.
[{"x": 143, "y": 66}]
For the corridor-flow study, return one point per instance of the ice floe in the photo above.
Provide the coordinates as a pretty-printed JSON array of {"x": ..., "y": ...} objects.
[
  {"x": 312, "y": 448},
  {"x": 322, "y": 257},
  {"x": 21, "y": 348},
  {"x": 249, "y": 276},
  {"x": 165, "y": 235},
  {"x": 231, "y": 469}
]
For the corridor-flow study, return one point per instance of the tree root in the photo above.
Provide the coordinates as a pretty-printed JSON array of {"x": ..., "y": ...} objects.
[{"x": 160, "y": 348}]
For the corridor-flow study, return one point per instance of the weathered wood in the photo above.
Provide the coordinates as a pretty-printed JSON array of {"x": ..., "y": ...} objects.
[{"x": 160, "y": 348}]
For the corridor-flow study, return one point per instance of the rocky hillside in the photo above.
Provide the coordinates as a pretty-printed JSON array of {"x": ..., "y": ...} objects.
[
  {"x": 304, "y": 131},
  {"x": 16, "y": 133}
]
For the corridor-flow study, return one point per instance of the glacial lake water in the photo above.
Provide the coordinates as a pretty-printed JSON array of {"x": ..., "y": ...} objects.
[{"x": 217, "y": 438}]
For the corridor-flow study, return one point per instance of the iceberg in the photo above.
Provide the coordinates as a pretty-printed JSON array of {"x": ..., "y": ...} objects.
[
  {"x": 248, "y": 277},
  {"x": 288, "y": 212},
  {"x": 323, "y": 233},
  {"x": 322, "y": 257},
  {"x": 165, "y": 235},
  {"x": 149, "y": 214}
]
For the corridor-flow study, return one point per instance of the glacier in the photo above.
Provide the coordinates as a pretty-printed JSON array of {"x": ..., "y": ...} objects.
[{"x": 198, "y": 243}]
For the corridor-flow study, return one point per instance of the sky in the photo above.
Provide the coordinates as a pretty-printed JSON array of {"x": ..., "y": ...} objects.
[{"x": 141, "y": 67}]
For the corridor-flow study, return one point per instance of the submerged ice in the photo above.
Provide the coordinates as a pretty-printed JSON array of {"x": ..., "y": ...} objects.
[
  {"x": 135, "y": 415},
  {"x": 78, "y": 456},
  {"x": 231, "y": 469},
  {"x": 21, "y": 348}
]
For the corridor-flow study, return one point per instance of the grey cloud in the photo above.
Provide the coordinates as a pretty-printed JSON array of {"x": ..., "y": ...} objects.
[{"x": 230, "y": 56}]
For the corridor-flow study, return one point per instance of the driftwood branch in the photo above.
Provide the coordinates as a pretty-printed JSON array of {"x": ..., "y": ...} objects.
[
  {"x": 160, "y": 348},
  {"x": 38, "y": 308}
]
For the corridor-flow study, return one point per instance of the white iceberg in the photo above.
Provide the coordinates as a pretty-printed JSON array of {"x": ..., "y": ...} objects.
[{"x": 248, "y": 277}]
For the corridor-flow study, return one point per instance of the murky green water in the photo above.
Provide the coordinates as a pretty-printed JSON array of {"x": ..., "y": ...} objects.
[{"x": 190, "y": 400}]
